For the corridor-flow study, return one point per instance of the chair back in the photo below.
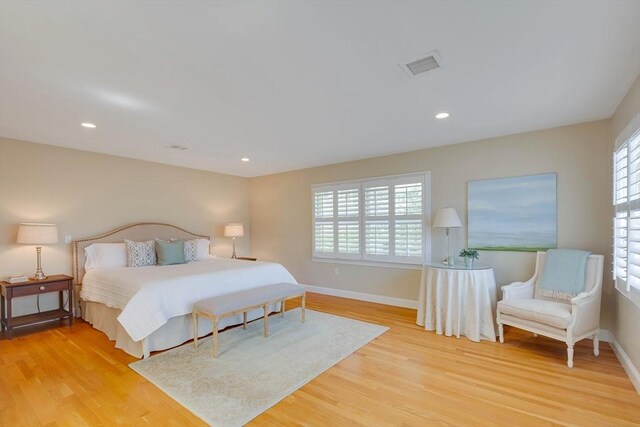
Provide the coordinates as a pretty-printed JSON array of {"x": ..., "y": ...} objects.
[{"x": 592, "y": 279}]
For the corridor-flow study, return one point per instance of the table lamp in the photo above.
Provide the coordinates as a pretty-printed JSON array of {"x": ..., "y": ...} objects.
[
  {"x": 38, "y": 235},
  {"x": 447, "y": 218},
  {"x": 234, "y": 230}
]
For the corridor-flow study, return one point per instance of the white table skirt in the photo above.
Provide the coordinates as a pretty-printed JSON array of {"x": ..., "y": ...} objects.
[{"x": 458, "y": 302}]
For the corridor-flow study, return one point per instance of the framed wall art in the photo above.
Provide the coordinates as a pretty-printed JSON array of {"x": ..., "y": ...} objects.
[{"x": 513, "y": 214}]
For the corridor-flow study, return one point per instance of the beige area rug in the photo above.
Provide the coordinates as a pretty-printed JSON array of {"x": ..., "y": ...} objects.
[{"x": 253, "y": 373}]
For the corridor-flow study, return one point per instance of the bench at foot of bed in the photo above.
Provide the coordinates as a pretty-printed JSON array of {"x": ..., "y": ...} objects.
[{"x": 216, "y": 308}]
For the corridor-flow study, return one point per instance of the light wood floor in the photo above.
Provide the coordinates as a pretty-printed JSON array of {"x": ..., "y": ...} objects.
[{"x": 74, "y": 376}]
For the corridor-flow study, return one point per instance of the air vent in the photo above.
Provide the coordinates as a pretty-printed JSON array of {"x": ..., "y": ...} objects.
[
  {"x": 178, "y": 147},
  {"x": 419, "y": 66}
]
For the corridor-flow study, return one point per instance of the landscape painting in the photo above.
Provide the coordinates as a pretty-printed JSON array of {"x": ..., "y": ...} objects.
[{"x": 512, "y": 214}]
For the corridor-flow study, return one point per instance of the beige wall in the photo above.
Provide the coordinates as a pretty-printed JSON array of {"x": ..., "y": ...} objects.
[
  {"x": 87, "y": 193},
  {"x": 580, "y": 154},
  {"x": 626, "y": 316}
]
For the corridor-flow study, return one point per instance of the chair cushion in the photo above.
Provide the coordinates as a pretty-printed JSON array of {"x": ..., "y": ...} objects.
[{"x": 552, "y": 313}]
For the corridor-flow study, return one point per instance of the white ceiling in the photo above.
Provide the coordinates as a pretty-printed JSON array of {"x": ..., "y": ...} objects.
[{"x": 299, "y": 84}]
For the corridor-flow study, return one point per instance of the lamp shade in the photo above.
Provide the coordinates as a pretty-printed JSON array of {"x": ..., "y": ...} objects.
[
  {"x": 234, "y": 230},
  {"x": 37, "y": 234},
  {"x": 447, "y": 218}
]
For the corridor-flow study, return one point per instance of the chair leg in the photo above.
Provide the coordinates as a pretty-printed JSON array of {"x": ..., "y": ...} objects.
[
  {"x": 596, "y": 345},
  {"x": 570, "y": 355},
  {"x": 501, "y": 333}
]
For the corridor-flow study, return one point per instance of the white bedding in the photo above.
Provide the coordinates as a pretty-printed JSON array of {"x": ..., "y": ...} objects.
[{"x": 150, "y": 296}]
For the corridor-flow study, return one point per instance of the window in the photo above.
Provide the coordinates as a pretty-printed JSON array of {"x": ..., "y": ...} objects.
[
  {"x": 373, "y": 220},
  {"x": 626, "y": 222}
]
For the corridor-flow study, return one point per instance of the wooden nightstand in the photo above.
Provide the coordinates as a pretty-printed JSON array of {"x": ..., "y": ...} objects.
[
  {"x": 247, "y": 258},
  {"x": 58, "y": 283}
]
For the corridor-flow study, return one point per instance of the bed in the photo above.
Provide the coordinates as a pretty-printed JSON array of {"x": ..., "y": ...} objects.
[{"x": 145, "y": 309}]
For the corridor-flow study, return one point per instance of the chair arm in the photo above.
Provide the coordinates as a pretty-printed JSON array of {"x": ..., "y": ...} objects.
[
  {"x": 518, "y": 290},
  {"x": 585, "y": 310},
  {"x": 584, "y": 296}
]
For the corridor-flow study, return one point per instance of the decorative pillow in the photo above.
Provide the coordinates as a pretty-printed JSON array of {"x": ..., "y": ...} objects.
[
  {"x": 191, "y": 250},
  {"x": 140, "y": 254},
  {"x": 195, "y": 249},
  {"x": 105, "y": 255},
  {"x": 170, "y": 253}
]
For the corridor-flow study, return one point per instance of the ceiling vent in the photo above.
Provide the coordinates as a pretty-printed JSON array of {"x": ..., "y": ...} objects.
[
  {"x": 419, "y": 66},
  {"x": 178, "y": 147}
]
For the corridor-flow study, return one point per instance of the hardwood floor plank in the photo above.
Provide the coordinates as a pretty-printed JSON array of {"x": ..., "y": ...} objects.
[{"x": 73, "y": 376}]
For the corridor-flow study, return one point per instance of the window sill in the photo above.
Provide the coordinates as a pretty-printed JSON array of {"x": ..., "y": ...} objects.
[{"x": 397, "y": 265}]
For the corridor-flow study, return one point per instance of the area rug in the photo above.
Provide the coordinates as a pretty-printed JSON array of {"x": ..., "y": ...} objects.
[{"x": 253, "y": 373}]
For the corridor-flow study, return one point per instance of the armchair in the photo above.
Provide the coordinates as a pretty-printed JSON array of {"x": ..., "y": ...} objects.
[{"x": 568, "y": 321}]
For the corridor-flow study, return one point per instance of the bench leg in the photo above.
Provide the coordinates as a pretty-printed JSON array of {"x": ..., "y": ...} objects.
[
  {"x": 304, "y": 297},
  {"x": 244, "y": 324},
  {"x": 282, "y": 308},
  {"x": 195, "y": 330},
  {"x": 215, "y": 337},
  {"x": 266, "y": 321}
]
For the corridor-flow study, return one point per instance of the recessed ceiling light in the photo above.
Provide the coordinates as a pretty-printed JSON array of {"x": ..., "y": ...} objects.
[
  {"x": 442, "y": 115},
  {"x": 88, "y": 125},
  {"x": 245, "y": 159}
]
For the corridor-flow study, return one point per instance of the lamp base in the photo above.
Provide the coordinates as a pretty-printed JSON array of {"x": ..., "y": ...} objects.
[
  {"x": 233, "y": 255},
  {"x": 39, "y": 274}
]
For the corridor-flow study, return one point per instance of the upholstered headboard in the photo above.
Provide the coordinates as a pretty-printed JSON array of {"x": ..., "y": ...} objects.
[{"x": 139, "y": 232}]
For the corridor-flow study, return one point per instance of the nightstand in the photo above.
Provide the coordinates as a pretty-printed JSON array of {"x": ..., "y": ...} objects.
[
  {"x": 247, "y": 258},
  {"x": 58, "y": 283}
]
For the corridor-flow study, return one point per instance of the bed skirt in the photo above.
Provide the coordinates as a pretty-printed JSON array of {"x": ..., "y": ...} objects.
[{"x": 176, "y": 331}]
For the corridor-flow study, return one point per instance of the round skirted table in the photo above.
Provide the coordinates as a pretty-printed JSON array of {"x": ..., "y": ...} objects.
[{"x": 458, "y": 300}]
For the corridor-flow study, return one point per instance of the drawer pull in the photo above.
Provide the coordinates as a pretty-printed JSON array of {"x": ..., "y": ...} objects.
[{"x": 42, "y": 288}]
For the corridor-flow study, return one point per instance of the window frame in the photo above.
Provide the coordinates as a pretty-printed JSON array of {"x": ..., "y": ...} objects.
[{"x": 369, "y": 259}]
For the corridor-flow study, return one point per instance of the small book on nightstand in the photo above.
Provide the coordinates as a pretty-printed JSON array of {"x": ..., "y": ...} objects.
[{"x": 17, "y": 278}]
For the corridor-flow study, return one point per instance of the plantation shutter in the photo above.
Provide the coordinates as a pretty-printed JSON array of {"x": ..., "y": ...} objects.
[
  {"x": 349, "y": 221},
  {"x": 409, "y": 220},
  {"x": 626, "y": 223},
  {"x": 380, "y": 219},
  {"x": 633, "y": 221},
  {"x": 620, "y": 220},
  {"x": 324, "y": 216},
  {"x": 376, "y": 220}
]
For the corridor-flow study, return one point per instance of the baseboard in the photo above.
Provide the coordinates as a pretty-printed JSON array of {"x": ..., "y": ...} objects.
[
  {"x": 605, "y": 335},
  {"x": 625, "y": 361},
  {"x": 361, "y": 296}
]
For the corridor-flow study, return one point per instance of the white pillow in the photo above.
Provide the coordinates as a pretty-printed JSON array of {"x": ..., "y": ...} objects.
[
  {"x": 202, "y": 251},
  {"x": 105, "y": 255}
]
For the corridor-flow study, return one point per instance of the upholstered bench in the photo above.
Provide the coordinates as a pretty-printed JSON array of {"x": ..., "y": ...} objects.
[{"x": 216, "y": 308}]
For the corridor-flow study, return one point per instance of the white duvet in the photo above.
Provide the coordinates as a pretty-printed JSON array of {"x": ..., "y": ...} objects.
[{"x": 150, "y": 296}]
